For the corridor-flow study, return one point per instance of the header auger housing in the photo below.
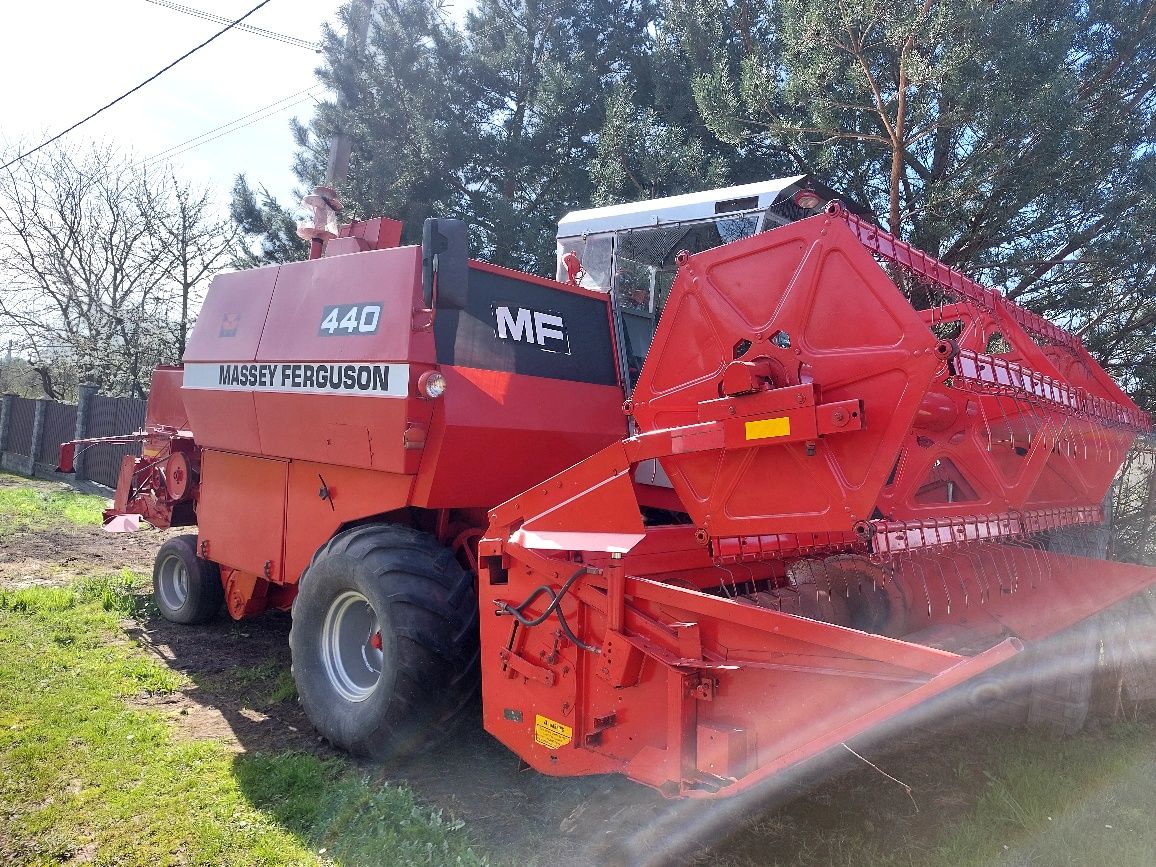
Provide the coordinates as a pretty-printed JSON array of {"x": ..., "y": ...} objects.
[
  {"x": 861, "y": 490},
  {"x": 754, "y": 501}
]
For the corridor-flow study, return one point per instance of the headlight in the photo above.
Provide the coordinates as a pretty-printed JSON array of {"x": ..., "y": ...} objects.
[{"x": 431, "y": 384}]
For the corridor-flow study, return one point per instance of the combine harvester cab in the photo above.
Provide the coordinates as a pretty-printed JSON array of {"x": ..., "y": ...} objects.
[{"x": 832, "y": 508}]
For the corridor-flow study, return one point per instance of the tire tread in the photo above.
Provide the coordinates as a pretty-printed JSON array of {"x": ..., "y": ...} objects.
[{"x": 433, "y": 603}]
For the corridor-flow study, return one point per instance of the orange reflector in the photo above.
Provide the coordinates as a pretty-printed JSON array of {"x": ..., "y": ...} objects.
[{"x": 769, "y": 427}]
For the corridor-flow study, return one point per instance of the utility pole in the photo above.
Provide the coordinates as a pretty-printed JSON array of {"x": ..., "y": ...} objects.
[{"x": 360, "y": 13}]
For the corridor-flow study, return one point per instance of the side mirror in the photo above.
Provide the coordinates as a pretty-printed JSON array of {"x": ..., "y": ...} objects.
[{"x": 445, "y": 266}]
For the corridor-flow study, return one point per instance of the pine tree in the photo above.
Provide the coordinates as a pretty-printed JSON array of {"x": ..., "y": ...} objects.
[
  {"x": 641, "y": 157},
  {"x": 403, "y": 105},
  {"x": 268, "y": 230},
  {"x": 1014, "y": 141},
  {"x": 494, "y": 122}
]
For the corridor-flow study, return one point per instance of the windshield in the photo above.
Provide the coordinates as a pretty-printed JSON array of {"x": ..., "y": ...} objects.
[
  {"x": 644, "y": 270},
  {"x": 644, "y": 265},
  {"x": 595, "y": 252}
]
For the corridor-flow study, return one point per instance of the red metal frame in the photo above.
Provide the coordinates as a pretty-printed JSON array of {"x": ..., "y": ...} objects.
[
  {"x": 261, "y": 458},
  {"x": 820, "y": 436},
  {"x": 808, "y": 418}
]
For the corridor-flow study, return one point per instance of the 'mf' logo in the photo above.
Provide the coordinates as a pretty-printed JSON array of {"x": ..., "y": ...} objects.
[{"x": 545, "y": 330}]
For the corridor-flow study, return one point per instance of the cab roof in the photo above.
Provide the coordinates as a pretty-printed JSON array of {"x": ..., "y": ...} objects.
[{"x": 687, "y": 207}]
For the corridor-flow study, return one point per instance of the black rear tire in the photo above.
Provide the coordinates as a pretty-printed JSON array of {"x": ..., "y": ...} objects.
[
  {"x": 877, "y": 601},
  {"x": 1128, "y": 683},
  {"x": 1064, "y": 669},
  {"x": 1002, "y": 697},
  {"x": 398, "y": 687},
  {"x": 1063, "y": 675},
  {"x": 186, "y": 588},
  {"x": 844, "y": 590}
]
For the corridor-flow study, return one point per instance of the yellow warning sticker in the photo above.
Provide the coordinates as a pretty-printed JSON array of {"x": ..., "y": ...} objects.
[
  {"x": 551, "y": 734},
  {"x": 766, "y": 428}
]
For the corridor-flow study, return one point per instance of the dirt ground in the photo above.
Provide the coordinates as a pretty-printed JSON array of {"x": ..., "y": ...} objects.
[
  {"x": 47, "y": 556},
  {"x": 237, "y": 678}
]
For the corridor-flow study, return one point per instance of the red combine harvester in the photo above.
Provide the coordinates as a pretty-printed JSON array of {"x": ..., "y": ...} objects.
[{"x": 753, "y": 501}]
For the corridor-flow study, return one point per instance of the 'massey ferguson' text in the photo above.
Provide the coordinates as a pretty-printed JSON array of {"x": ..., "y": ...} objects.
[{"x": 386, "y": 380}]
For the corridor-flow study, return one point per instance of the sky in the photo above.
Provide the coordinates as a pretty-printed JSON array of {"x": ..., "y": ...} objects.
[{"x": 65, "y": 59}]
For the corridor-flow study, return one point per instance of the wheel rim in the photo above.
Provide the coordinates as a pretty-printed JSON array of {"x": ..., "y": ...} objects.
[
  {"x": 173, "y": 582},
  {"x": 351, "y": 647}
]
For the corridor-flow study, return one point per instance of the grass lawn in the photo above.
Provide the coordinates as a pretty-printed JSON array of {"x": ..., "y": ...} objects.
[
  {"x": 89, "y": 774},
  {"x": 992, "y": 797},
  {"x": 1087, "y": 800},
  {"x": 86, "y": 777},
  {"x": 33, "y": 508}
]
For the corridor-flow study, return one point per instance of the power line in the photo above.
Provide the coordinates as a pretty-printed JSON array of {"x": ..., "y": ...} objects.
[
  {"x": 128, "y": 93},
  {"x": 207, "y": 136},
  {"x": 248, "y": 28},
  {"x": 208, "y": 132},
  {"x": 265, "y": 112}
]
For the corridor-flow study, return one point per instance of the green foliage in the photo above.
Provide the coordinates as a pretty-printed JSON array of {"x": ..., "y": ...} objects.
[
  {"x": 85, "y": 777},
  {"x": 35, "y": 508},
  {"x": 267, "y": 229},
  {"x": 640, "y": 157}
]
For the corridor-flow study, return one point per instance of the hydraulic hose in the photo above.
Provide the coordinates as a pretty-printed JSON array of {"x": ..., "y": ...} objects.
[{"x": 516, "y": 611}]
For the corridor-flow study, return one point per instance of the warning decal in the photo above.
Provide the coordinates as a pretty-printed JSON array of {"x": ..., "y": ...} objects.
[{"x": 551, "y": 734}]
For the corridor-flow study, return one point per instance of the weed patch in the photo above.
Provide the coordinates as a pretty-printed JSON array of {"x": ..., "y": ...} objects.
[
  {"x": 1068, "y": 802},
  {"x": 283, "y": 688},
  {"x": 121, "y": 594}
]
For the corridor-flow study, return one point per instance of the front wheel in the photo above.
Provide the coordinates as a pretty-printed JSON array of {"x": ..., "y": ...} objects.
[{"x": 384, "y": 640}]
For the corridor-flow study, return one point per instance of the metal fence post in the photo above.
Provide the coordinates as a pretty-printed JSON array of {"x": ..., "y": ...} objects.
[
  {"x": 83, "y": 406},
  {"x": 5, "y": 420},
  {"x": 37, "y": 434}
]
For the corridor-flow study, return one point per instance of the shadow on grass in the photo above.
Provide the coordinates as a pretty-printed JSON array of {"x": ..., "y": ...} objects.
[
  {"x": 242, "y": 693},
  {"x": 511, "y": 813},
  {"x": 349, "y": 817}
]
